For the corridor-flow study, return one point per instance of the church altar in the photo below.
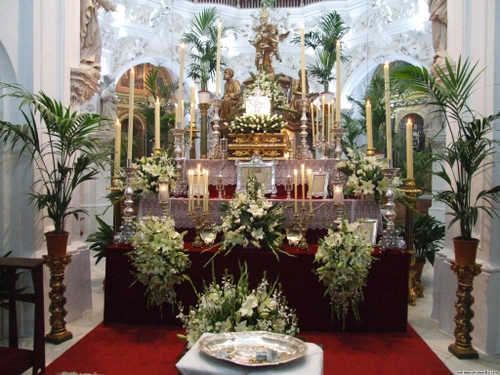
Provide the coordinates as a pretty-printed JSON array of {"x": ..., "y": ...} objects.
[{"x": 384, "y": 309}]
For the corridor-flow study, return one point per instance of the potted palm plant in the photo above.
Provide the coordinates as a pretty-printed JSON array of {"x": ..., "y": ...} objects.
[
  {"x": 65, "y": 155},
  {"x": 469, "y": 152},
  {"x": 202, "y": 41},
  {"x": 323, "y": 41}
]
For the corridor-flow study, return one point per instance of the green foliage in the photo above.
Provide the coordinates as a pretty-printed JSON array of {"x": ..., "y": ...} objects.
[
  {"x": 202, "y": 40},
  {"x": 428, "y": 236},
  {"x": 65, "y": 156},
  {"x": 471, "y": 147},
  {"x": 323, "y": 41},
  {"x": 101, "y": 239}
]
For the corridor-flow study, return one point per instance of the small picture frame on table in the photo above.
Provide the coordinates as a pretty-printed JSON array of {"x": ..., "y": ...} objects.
[
  {"x": 319, "y": 185},
  {"x": 370, "y": 227},
  {"x": 265, "y": 172}
]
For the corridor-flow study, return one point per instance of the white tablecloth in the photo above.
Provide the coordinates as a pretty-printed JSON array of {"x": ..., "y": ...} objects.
[{"x": 195, "y": 362}]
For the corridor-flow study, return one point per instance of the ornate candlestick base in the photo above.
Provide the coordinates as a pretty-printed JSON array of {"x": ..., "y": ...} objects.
[
  {"x": 337, "y": 134},
  {"x": 391, "y": 240},
  {"x": 462, "y": 348},
  {"x": 58, "y": 333},
  {"x": 303, "y": 151},
  {"x": 215, "y": 151},
  {"x": 127, "y": 229},
  {"x": 199, "y": 219},
  {"x": 301, "y": 222}
]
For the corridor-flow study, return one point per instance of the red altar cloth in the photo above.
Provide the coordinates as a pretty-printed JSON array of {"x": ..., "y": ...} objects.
[{"x": 384, "y": 309}]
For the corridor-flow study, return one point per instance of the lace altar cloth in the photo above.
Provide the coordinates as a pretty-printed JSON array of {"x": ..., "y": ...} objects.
[{"x": 323, "y": 210}]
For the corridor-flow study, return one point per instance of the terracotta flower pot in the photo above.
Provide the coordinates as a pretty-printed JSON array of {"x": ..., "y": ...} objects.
[
  {"x": 57, "y": 243},
  {"x": 465, "y": 251}
]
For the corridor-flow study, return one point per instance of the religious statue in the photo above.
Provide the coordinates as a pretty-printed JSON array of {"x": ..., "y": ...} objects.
[
  {"x": 266, "y": 43},
  {"x": 109, "y": 99},
  {"x": 232, "y": 95},
  {"x": 438, "y": 11},
  {"x": 90, "y": 35},
  {"x": 297, "y": 95}
]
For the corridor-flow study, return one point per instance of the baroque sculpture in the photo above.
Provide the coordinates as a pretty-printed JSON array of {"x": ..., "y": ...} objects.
[{"x": 232, "y": 97}]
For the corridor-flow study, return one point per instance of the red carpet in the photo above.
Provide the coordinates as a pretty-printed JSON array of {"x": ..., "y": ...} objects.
[{"x": 152, "y": 350}]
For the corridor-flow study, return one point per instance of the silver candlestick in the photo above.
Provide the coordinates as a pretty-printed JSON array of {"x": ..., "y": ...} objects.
[
  {"x": 391, "y": 240},
  {"x": 215, "y": 151},
  {"x": 337, "y": 134},
  {"x": 303, "y": 151},
  {"x": 127, "y": 229}
]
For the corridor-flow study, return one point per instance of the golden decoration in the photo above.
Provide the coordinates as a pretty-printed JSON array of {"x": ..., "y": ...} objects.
[{"x": 267, "y": 145}]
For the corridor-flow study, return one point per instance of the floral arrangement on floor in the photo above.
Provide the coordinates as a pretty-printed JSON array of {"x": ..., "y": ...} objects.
[
  {"x": 345, "y": 259},
  {"x": 230, "y": 307},
  {"x": 251, "y": 221},
  {"x": 364, "y": 175},
  {"x": 257, "y": 123},
  {"x": 265, "y": 85},
  {"x": 159, "y": 258},
  {"x": 151, "y": 169}
]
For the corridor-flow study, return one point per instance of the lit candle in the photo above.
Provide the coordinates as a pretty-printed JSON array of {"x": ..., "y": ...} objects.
[
  {"x": 157, "y": 124},
  {"x": 369, "y": 129},
  {"x": 118, "y": 145},
  {"x": 190, "y": 192},
  {"x": 409, "y": 150},
  {"x": 181, "y": 84},
  {"x": 131, "y": 114},
  {"x": 323, "y": 115},
  {"x": 217, "y": 71},
  {"x": 328, "y": 116},
  {"x": 163, "y": 194},
  {"x": 205, "y": 189},
  {"x": 338, "y": 193},
  {"x": 193, "y": 124},
  {"x": 295, "y": 172},
  {"x": 312, "y": 123},
  {"x": 198, "y": 185},
  {"x": 303, "y": 58},
  {"x": 388, "y": 114},
  {"x": 303, "y": 181},
  {"x": 339, "y": 83},
  {"x": 309, "y": 186}
]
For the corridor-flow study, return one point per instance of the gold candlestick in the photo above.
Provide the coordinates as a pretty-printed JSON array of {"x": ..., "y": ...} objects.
[
  {"x": 58, "y": 333},
  {"x": 462, "y": 348},
  {"x": 415, "y": 290},
  {"x": 199, "y": 218}
]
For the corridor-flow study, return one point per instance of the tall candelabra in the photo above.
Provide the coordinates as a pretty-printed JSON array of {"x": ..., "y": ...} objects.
[
  {"x": 127, "y": 229},
  {"x": 301, "y": 221},
  {"x": 215, "y": 151},
  {"x": 303, "y": 151},
  {"x": 199, "y": 218},
  {"x": 415, "y": 289},
  {"x": 321, "y": 145},
  {"x": 462, "y": 348},
  {"x": 391, "y": 240},
  {"x": 337, "y": 134}
]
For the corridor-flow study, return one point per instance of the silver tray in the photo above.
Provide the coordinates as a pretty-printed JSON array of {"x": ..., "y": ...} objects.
[{"x": 250, "y": 348}]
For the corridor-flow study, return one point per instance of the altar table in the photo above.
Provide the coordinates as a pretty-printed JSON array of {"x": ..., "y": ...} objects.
[{"x": 384, "y": 309}]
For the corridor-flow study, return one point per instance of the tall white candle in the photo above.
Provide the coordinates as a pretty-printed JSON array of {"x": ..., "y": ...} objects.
[
  {"x": 339, "y": 83},
  {"x": 181, "y": 84},
  {"x": 312, "y": 123},
  {"x": 118, "y": 145},
  {"x": 323, "y": 116},
  {"x": 198, "y": 185},
  {"x": 157, "y": 124},
  {"x": 193, "y": 124},
  {"x": 309, "y": 187},
  {"x": 295, "y": 182},
  {"x": 190, "y": 194},
  {"x": 205, "y": 189},
  {"x": 409, "y": 150},
  {"x": 303, "y": 181},
  {"x": 388, "y": 113},
  {"x": 369, "y": 128},
  {"x": 217, "y": 72},
  {"x": 303, "y": 60},
  {"x": 328, "y": 116},
  {"x": 131, "y": 114},
  {"x": 193, "y": 104}
]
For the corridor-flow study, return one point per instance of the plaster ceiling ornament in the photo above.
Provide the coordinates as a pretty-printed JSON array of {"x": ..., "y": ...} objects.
[
  {"x": 404, "y": 9},
  {"x": 379, "y": 17},
  {"x": 128, "y": 49},
  {"x": 160, "y": 13}
]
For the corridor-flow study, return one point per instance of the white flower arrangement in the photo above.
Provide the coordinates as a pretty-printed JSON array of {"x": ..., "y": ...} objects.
[
  {"x": 159, "y": 258},
  {"x": 345, "y": 259},
  {"x": 257, "y": 123},
  {"x": 364, "y": 175},
  {"x": 151, "y": 169},
  {"x": 250, "y": 220},
  {"x": 229, "y": 307},
  {"x": 265, "y": 85}
]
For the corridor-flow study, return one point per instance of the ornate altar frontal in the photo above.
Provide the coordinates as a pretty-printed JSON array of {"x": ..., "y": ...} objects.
[{"x": 267, "y": 145}]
